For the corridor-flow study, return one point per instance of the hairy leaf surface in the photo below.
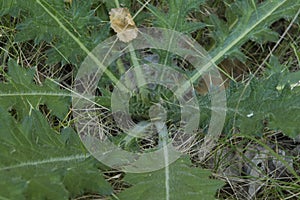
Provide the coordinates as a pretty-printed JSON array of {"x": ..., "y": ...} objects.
[
  {"x": 176, "y": 17},
  {"x": 20, "y": 94},
  {"x": 37, "y": 163},
  {"x": 77, "y": 19},
  {"x": 261, "y": 105},
  {"x": 247, "y": 21},
  {"x": 185, "y": 182}
]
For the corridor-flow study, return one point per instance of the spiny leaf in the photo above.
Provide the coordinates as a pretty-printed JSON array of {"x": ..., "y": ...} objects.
[
  {"x": 21, "y": 94},
  {"x": 185, "y": 182},
  {"x": 36, "y": 163},
  {"x": 78, "y": 18},
  {"x": 9, "y": 6},
  {"x": 285, "y": 115},
  {"x": 274, "y": 66},
  {"x": 247, "y": 21},
  {"x": 262, "y": 105},
  {"x": 175, "y": 18}
]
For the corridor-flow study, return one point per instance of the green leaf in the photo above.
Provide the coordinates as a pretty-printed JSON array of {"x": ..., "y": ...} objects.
[
  {"x": 285, "y": 112},
  {"x": 265, "y": 35},
  {"x": 91, "y": 180},
  {"x": 12, "y": 189},
  {"x": 112, "y": 4},
  {"x": 8, "y": 6},
  {"x": 175, "y": 18},
  {"x": 274, "y": 66},
  {"x": 21, "y": 94},
  {"x": 37, "y": 164},
  {"x": 185, "y": 182},
  {"x": 38, "y": 25},
  {"x": 221, "y": 28},
  {"x": 77, "y": 19},
  {"x": 43, "y": 187},
  {"x": 246, "y": 21},
  {"x": 261, "y": 105}
]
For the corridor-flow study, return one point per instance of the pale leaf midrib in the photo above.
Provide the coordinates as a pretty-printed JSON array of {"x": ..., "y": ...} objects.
[
  {"x": 46, "y": 161},
  {"x": 11, "y": 94}
]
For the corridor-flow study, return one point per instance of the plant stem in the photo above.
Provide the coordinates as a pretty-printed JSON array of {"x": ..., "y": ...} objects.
[{"x": 117, "y": 3}]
